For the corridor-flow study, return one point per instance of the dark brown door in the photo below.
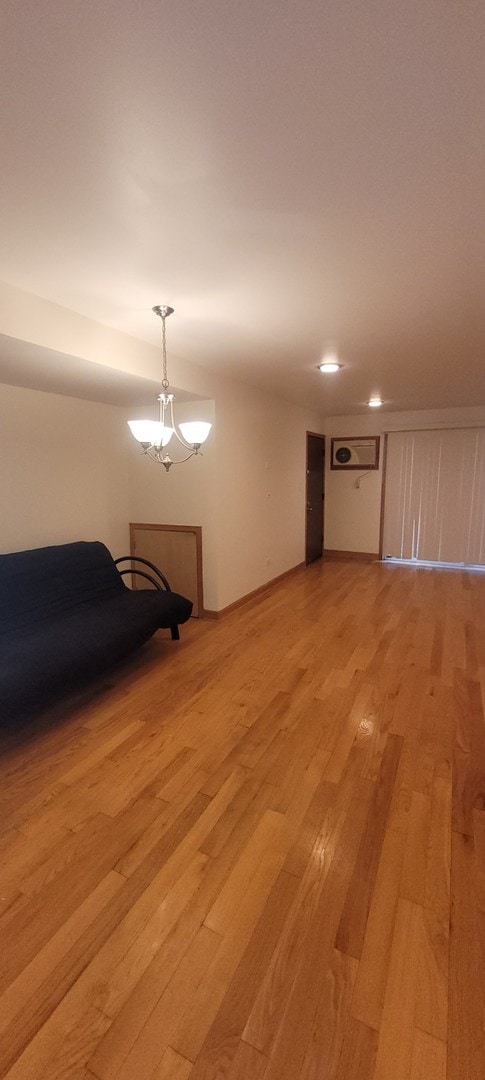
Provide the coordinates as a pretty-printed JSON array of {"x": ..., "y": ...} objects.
[{"x": 315, "y": 457}]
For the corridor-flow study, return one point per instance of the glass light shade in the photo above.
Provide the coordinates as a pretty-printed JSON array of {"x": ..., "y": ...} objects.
[
  {"x": 195, "y": 432},
  {"x": 151, "y": 432},
  {"x": 375, "y": 402}
]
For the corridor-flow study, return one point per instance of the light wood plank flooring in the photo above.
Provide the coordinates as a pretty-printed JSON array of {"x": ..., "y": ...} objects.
[{"x": 259, "y": 853}]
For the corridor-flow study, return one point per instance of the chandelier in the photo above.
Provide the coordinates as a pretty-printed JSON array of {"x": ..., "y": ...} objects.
[{"x": 155, "y": 435}]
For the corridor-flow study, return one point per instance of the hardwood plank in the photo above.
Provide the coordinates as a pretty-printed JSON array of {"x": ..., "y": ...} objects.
[
  {"x": 222, "y": 1042},
  {"x": 358, "y": 1054},
  {"x": 469, "y": 754},
  {"x": 20, "y": 857},
  {"x": 371, "y": 980},
  {"x": 172, "y": 1067},
  {"x": 429, "y": 1058},
  {"x": 340, "y": 753},
  {"x": 412, "y": 701},
  {"x": 323, "y": 1052},
  {"x": 300, "y": 747},
  {"x": 466, "y": 1043},
  {"x": 102, "y": 751},
  {"x": 66, "y": 804},
  {"x": 28, "y": 1001},
  {"x": 131, "y": 1054},
  {"x": 372, "y": 734},
  {"x": 396, "y": 1043},
  {"x": 310, "y": 829},
  {"x": 217, "y": 761},
  {"x": 131, "y": 1020},
  {"x": 279, "y": 978},
  {"x": 106, "y": 981},
  {"x": 437, "y": 887},
  {"x": 287, "y": 1041},
  {"x": 404, "y": 786},
  {"x": 62, "y": 1049},
  {"x": 122, "y": 777},
  {"x": 271, "y": 837},
  {"x": 413, "y": 876},
  {"x": 432, "y": 986},
  {"x": 433, "y": 983},
  {"x": 436, "y": 658},
  {"x": 248, "y": 1064},
  {"x": 261, "y": 734},
  {"x": 143, "y": 932},
  {"x": 218, "y": 836},
  {"x": 234, "y": 915},
  {"x": 134, "y": 899},
  {"x": 425, "y": 771},
  {"x": 38, "y": 918},
  {"x": 351, "y": 931}
]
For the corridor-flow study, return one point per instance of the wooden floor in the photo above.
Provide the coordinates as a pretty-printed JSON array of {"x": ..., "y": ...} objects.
[{"x": 259, "y": 852}]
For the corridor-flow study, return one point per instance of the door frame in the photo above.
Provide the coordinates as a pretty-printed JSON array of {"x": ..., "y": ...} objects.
[
  {"x": 383, "y": 493},
  {"x": 314, "y": 435}
]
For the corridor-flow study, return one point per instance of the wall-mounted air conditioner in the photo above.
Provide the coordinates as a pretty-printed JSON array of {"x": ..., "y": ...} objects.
[{"x": 355, "y": 453}]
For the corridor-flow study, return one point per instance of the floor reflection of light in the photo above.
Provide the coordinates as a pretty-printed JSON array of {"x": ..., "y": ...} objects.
[
  {"x": 366, "y": 726},
  {"x": 319, "y": 850}
]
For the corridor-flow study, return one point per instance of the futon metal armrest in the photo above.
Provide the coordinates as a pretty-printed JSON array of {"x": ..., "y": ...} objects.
[
  {"x": 136, "y": 558},
  {"x": 142, "y": 573},
  {"x": 174, "y": 630}
]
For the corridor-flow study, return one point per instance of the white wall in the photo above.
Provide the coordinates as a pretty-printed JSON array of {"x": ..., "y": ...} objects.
[
  {"x": 261, "y": 478},
  {"x": 352, "y": 516},
  {"x": 71, "y": 470},
  {"x": 63, "y": 472},
  {"x": 247, "y": 491}
]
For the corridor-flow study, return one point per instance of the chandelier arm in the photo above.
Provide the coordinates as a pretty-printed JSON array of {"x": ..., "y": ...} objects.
[
  {"x": 156, "y": 454},
  {"x": 180, "y": 461},
  {"x": 193, "y": 447}
]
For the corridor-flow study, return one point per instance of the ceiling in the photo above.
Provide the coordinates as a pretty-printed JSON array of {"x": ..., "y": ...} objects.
[{"x": 290, "y": 177}]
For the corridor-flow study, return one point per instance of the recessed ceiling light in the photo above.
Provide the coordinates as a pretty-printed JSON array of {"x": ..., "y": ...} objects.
[
  {"x": 375, "y": 402},
  {"x": 329, "y": 363},
  {"x": 327, "y": 366}
]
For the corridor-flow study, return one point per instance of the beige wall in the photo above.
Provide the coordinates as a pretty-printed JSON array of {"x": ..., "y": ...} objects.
[
  {"x": 71, "y": 470},
  {"x": 261, "y": 477},
  {"x": 247, "y": 491},
  {"x": 352, "y": 515},
  {"x": 63, "y": 471}
]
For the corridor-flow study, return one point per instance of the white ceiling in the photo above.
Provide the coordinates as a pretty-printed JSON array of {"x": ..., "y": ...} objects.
[{"x": 288, "y": 176}]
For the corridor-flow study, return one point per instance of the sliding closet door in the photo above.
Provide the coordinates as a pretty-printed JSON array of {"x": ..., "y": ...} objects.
[{"x": 434, "y": 508}]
